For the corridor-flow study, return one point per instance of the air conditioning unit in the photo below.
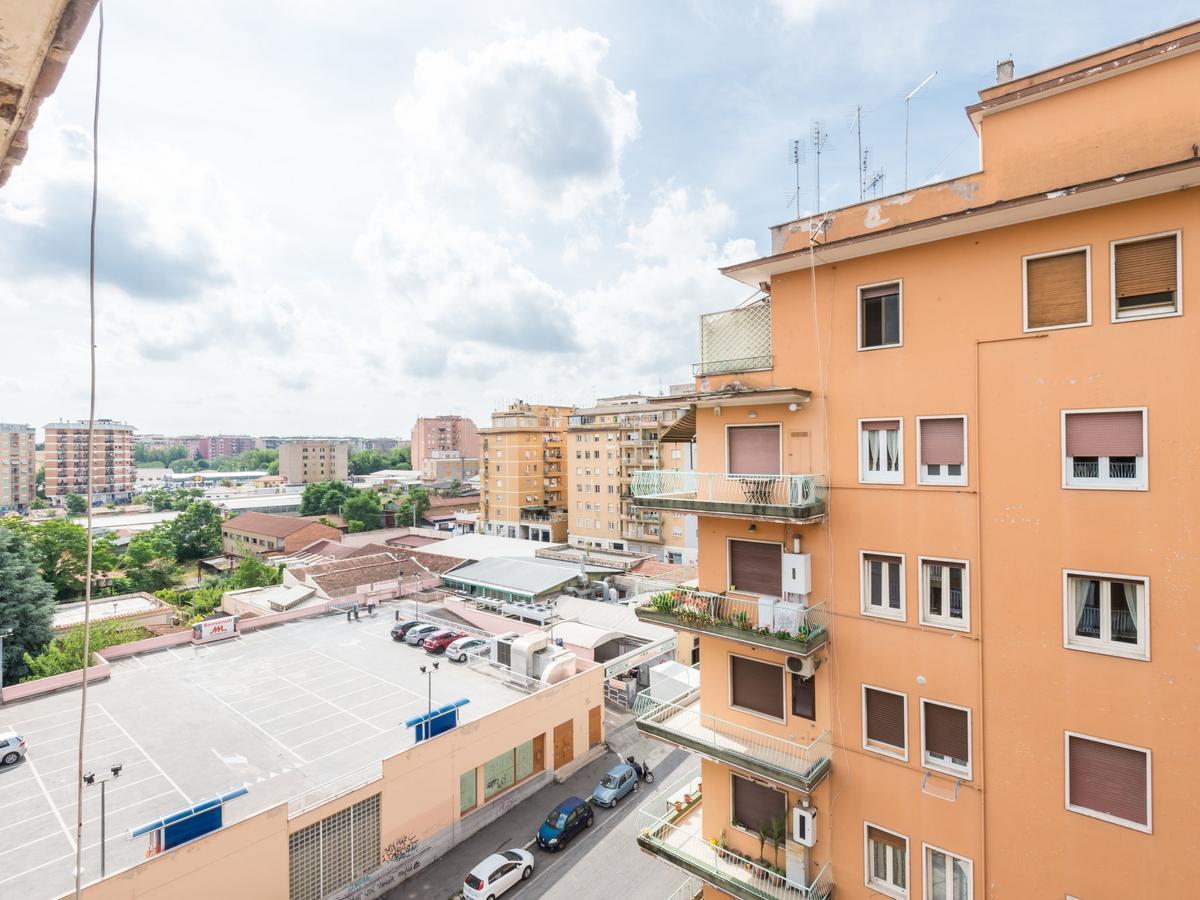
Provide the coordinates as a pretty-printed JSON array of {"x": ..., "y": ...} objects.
[
  {"x": 804, "y": 825},
  {"x": 797, "y": 573},
  {"x": 804, "y": 666}
]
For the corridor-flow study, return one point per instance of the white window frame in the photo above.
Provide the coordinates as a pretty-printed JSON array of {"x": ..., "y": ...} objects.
[
  {"x": 1087, "y": 251},
  {"x": 882, "y": 612},
  {"x": 944, "y": 621},
  {"x": 883, "y": 749},
  {"x": 1112, "y": 277},
  {"x": 1148, "y": 828},
  {"x": 1072, "y": 641},
  {"x": 868, "y": 870},
  {"x": 922, "y": 476},
  {"x": 899, "y": 282},
  {"x": 937, "y": 765},
  {"x": 1141, "y": 479},
  {"x": 865, "y": 477},
  {"x": 783, "y": 687},
  {"x": 926, "y": 870}
]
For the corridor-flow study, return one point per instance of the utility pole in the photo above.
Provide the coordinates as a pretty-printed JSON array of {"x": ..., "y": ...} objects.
[{"x": 90, "y": 779}]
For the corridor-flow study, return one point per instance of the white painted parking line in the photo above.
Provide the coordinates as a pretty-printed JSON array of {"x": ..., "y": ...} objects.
[
  {"x": 64, "y": 714},
  {"x": 323, "y": 700},
  {"x": 331, "y": 737},
  {"x": 399, "y": 687},
  {"x": 23, "y": 823},
  {"x": 109, "y": 812},
  {"x": 292, "y": 709},
  {"x": 90, "y": 743},
  {"x": 309, "y": 724},
  {"x": 258, "y": 728},
  {"x": 142, "y": 751},
  {"x": 261, "y": 694},
  {"x": 45, "y": 793}
]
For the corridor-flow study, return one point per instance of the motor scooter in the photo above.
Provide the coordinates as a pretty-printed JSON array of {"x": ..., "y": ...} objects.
[{"x": 642, "y": 769}]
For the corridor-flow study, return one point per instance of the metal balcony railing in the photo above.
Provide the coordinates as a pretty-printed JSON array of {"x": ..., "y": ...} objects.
[
  {"x": 790, "y": 497},
  {"x": 787, "y": 762},
  {"x": 735, "y": 340},
  {"x": 762, "y": 621}
]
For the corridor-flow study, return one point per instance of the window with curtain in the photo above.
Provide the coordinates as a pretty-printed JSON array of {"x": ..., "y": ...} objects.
[
  {"x": 879, "y": 313},
  {"x": 943, "y": 450},
  {"x": 1145, "y": 277},
  {"x": 1057, "y": 290},
  {"x": 1105, "y": 449},
  {"x": 887, "y": 862},
  {"x": 947, "y": 877},
  {"x": 944, "y": 594},
  {"x": 881, "y": 452},
  {"x": 1107, "y": 615},
  {"x": 883, "y": 585}
]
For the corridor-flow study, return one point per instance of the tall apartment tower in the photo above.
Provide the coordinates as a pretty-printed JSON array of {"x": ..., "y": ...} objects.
[
  {"x": 218, "y": 445},
  {"x": 18, "y": 467},
  {"x": 523, "y": 485},
  {"x": 66, "y": 455},
  {"x": 305, "y": 461},
  {"x": 607, "y": 445},
  {"x": 443, "y": 433},
  {"x": 946, "y": 503}
]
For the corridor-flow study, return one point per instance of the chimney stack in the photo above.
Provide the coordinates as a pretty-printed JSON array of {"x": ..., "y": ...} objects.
[{"x": 1004, "y": 71}]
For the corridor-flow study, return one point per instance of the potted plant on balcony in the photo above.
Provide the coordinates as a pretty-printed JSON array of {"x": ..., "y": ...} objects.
[
  {"x": 762, "y": 843},
  {"x": 742, "y": 621},
  {"x": 777, "y": 834}
]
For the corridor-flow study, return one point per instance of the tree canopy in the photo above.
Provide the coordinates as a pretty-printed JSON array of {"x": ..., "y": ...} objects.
[
  {"x": 201, "y": 601},
  {"x": 75, "y": 504},
  {"x": 373, "y": 461},
  {"x": 324, "y": 498},
  {"x": 196, "y": 532},
  {"x": 65, "y": 654},
  {"x": 403, "y": 507},
  {"x": 26, "y": 603},
  {"x": 60, "y": 550},
  {"x": 149, "y": 561},
  {"x": 362, "y": 511}
]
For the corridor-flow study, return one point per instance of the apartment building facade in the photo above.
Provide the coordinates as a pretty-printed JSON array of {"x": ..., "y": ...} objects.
[
  {"x": 441, "y": 434},
  {"x": 66, "y": 458},
  {"x": 18, "y": 467},
  {"x": 523, "y": 480},
  {"x": 606, "y": 445},
  {"x": 305, "y": 461},
  {"x": 217, "y": 445},
  {"x": 448, "y": 465},
  {"x": 943, "y": 468}
]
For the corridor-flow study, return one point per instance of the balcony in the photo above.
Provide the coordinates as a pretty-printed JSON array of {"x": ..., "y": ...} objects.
[
  {"x": 759, "y": 621},
  {"x": 541, "y": 515},
  {"x": 786, "y": 762},
  {"x": 735, "y": 340},
  {"x": 787, "y": 498}
]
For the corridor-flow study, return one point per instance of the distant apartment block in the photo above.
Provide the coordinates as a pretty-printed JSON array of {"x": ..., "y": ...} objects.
[
  {"x": 523, "y": 485},
  {"x": 66, "y": 457},
  {"x": 217, "y": 445},
  {"x": 306, "y": 461},
  {"x": 606, "y": 446},
  {"x": 381, "y": 444},
  {"x": 448, "y": 465},
  {"x": 17, "y": 467},
  {"x": 441, "y": 433}
]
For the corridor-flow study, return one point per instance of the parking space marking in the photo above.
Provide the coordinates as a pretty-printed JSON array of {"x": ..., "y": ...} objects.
[
  {"x": 45, "y": 793},
  {"x": 68, "y": 712},
  {"x": 333, "y": 734},
  {"x": 258, "y": 728},
  {"x": 310, "y": 723},
  {"x": 323, "y": 700},
  {"x": 142, "y": 751},
  {"x": 386, "y": 681},
  {"x": 90, "y": 744}
]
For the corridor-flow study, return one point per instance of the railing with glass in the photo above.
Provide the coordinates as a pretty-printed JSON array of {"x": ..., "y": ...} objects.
[{"x": 784, "y": 492}]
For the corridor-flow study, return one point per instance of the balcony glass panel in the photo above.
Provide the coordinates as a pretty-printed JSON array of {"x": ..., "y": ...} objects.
[{"x": 796, "y": 498}]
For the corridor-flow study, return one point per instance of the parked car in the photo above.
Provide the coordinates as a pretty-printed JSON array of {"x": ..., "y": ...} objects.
[
  {"x": 440, "y": 640},
  {"x": 459, "y": 649},
  {"x": 564, "y": 822},
  {"x": 12, "y": 747},
  {"x": 497, "y": 874},
  {"x": 415, "y": 635},
  {"x": 400, "y": 629},
  {"x": 621, "y": 779}
]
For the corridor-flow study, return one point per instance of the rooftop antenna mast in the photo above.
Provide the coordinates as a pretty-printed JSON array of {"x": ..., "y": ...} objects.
[
  {"x": 862, "y": 157},
  {"x": 819, "y": 140},
  {"x": 911, "y": 94},
  {"x": 797, "y": 159}
]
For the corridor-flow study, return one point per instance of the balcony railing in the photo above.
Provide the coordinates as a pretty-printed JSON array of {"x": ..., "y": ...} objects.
[
  {"x": 794, "y": 498},
  {"x": 735, "y": 340},
  {"x": 761, "y": 621},
  {"x": 800, "y": 766}
]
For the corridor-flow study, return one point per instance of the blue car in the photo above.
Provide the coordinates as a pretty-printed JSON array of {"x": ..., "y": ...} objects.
[
  {"x": 619, "y": 781},
  {"x": 564, "y": 822}
]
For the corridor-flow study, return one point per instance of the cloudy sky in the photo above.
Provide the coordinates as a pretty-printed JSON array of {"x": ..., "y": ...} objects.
[{"x": 323, "y": 217}]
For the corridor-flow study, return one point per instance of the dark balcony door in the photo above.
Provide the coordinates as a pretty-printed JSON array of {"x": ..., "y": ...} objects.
[{"x": 753, "y": 450}]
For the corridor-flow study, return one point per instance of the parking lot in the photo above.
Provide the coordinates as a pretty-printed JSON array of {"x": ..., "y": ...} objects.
[{"x": 280, "y": 711}]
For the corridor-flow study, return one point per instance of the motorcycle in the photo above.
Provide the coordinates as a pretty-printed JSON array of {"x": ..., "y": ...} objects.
[{"x": 642, "y": 769}]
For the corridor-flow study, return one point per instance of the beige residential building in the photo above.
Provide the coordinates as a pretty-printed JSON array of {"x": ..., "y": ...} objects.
[
  {"x": 523, "y": 482},
  {"x": 17, "y": 467},
  {"x": 66, "y": 457},
  {"x": 306, "y": 461},
  {"x": 606, "y": 446},
  {"x": 434, "y": 434},
  {"x": 448, "y": 465}
]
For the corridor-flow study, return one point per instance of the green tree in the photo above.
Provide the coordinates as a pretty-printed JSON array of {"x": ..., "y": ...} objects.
[
  {"x": 367, "y": 462},
  {"x": 324, "y": 498},
  {"x": 362, "y": 511},
  {"x": 39, "y": 481},
  {"x": 38, "y": 503},
  {"x": 65, "y": 654},
  {"x": 26, "y": 603},
  {"x": 251, "y": 572},
  {"x": 60, "y": 549},
  {"x": 182, "y": 465},
  {"x": 416, "y": 497},
  {"x": 158, "y": 456},
  {"x": 75, "y": 504},
  {"x": 149, "y": 560},
  {"x": 196, "y": 532}
]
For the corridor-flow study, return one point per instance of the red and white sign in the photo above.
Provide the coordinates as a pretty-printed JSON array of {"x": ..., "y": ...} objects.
[{"x": 214, "y": 630}]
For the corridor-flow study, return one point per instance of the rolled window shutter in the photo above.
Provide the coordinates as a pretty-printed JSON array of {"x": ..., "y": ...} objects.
[
  {"x": 1146, "y": 268},
  {"x": 881, "y": 425},
  {"x": 756, "y": 685},
  {"x": 879, "y": 836},
  {"x": 1056, "y": 290},
  {"x": 947, "y": 731},
  {"x": 883, "y": 290},
  {"x": 756, "y": 567},
  {"x": 941, "y": 442},
  {"x": 885, "y": 718},
  {"x": 755, "y": 805},
  {"x": 1105, "y": 434},
  {"x": 754, "y": 450},
  {"x": 1108, "y": 779}
]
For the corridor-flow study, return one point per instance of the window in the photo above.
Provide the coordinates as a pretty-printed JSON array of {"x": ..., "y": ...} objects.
[
  {"x": 755, "y": 805},
  {"x": 885, "y": 725},
  {"x": 508, "y": 768},
  {"x": 804, "y": 697},
  {"x": 947, "y": 877},
  {"x": 1104, "y": 449},
  {"x": 1058, "y": 289},
  {"x": 466, "y": 791},
  {"x": 887, "y": 861},
  {"x": 942, "y": 450},
  {"x": 756, "y": 686},
  {"x": 882, "y": 585},
  {"x": 945, "y": 594},
  {"x": 1146, "y": 277},
  {"x": 753, "y": 449},
  {"x": 881, "y": 451},
  {"x": 1108, "y": 781},
  {"x": 879, "y": 316},
  {"x": 1106, "y": 614},
  {"x": 756, "y": 567},
  {"x": 947, "y": 738}
]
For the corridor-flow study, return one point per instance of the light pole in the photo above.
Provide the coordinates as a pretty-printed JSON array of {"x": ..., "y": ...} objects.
[
  {"x": 428, "y": 673},
  {"x": 89, "y": 778},
  {"x": 4, "y": 632}
]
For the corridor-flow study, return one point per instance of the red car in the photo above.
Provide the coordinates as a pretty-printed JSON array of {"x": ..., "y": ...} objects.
[{"x": 440, "y": 640}]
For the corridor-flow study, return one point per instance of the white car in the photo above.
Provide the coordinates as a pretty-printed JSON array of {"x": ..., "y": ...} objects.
[
  {"x": 12, "y": 747},
  {"x": 497, "y": 874},
  {"x": 459, "y": 649}
]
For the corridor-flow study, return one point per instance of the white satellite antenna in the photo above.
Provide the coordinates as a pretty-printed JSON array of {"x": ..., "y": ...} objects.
[{"x": 911, "y": 94}]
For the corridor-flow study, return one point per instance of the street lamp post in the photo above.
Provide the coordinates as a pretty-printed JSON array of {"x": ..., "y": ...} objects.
[
  {"x": 428, "y": 673},
  {"x": 90, "y": 778},
  {"x": 4, "y": 632}
]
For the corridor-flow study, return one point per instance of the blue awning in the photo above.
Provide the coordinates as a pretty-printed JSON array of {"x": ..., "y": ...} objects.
[
  {"x": 187, "y": 813},
  {"x": 440, "y": 711}
]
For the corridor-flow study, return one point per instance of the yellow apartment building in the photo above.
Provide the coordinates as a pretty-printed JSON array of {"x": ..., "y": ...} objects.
[
  {"x": 946, "y": 500},
  {"x": 66, "y": 456},
  {"x": 523, "y": 482},
  {"x": 305, "y": 461},
  {"x": 606, "y": 445},
  {"x": 18, "y": 467}
]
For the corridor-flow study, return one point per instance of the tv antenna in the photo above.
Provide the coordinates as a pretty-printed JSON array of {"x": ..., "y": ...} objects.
[
  {"x": 911, "y": 94},
  {"x": 818, "y": 139},
  {"x": 797, "y": 160}
]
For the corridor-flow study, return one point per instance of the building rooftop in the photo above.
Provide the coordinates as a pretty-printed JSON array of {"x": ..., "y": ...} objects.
[
  {"x": 67, "y": 615},
  {"x": 523, "y": 575},
  {"x": 261, "y": 502},
  {"x": 483, "y": 546},
  {"x": 271, "y": 526}
]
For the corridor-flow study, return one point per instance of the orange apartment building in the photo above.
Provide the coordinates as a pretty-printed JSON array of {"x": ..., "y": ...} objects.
[
  {"x": 18, "y": 464},
  {"x": 523, "y": 480},
  {"x": 946, "y": 502},
  {"x": 439, "y": 435},
  {"x": 606, "y": 446},
  {"x": 66, "y": 456}
]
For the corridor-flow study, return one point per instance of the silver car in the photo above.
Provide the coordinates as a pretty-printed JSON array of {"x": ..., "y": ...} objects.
[
  {"x": 12, "y": 747},
  {"x": 414, "y": 636},
  {"x": 459, "y": 650}
]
